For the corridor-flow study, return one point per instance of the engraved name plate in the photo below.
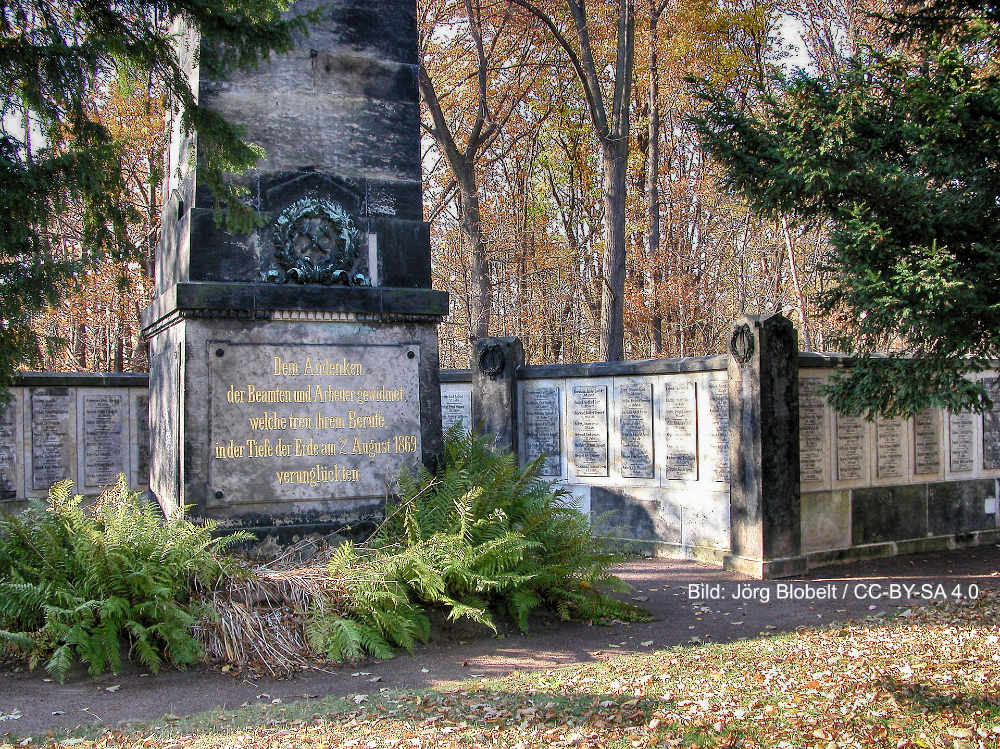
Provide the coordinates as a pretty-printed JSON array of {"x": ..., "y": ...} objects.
[
  {"x": 717, "y": 430},
  {"x": 890, "y": 457},
  {"x": 456, "y": 408},
  {"x": 927, "y": 441},
  {"x": 51, "y": 437},
  {"x": 961, "y": 442},
  {"x": 635, "y": 421},
  {"x": 311, "y": 421},
  {"x": 103, "y": 446},
  {"x": 680, "y": 425},
  {"x": 850, "y": 448},
  {"x": 991, "y": 426},
  {"x": 8, "y": 449},
  {"x": 588, "y": 406},
  {"x": 813, "y": 440},
  {"x": 142, "y": 439},
  {"x": 541, "y": 428}
]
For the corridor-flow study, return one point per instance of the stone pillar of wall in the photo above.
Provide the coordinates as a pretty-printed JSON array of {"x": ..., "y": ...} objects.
[
  {"x": 765, "y": 508},
  {"x": 494, "y": 389}
]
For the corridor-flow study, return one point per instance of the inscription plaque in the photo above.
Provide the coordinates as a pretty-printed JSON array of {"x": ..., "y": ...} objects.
[
  {"x": 51, "y": 438},
  {"x": 635, "y": 422},
  {"x": 103, "y": 447},
  {"x": 927, "y": 441},
  {"x": 961, "y": 441},
  {"x": 718, "y": 430},
  {"x": 311, "y": 421},
  {"x": 991, "y": 426},
  {"x": 890, "y": 458},
  {"x": 541, "y": 429},
  {"x": 813, "y": 439},
  {"x": 8, "y": 449},
  {"x": 588, "y": 406},
  {"x": 680, "y": 422},
  {"x": 456, "y": 408},
  {"x": 142, "y": 439},
  {"x": 850, "y": 448}
]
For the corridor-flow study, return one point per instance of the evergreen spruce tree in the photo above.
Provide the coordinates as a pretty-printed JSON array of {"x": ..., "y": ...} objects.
[
  {"x": 900, "y": 154},
  {"x": 56, "y": 58}
]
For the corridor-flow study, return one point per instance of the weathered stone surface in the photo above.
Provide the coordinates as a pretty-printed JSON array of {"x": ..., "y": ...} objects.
[
  {"x": 890, "y": 450},
  {"x": 889, "y": 513},
  {"x": 456, "y": 406},
  {"x": 680, "y": 420},
  {"x": 494, "y": 390},
  {"x": 961, "y": 442},
  {"x": 714, "y": 448},
  {"x": 826, "y": 520},
  {"x": 635, "y": 514},
  {"x": 588, "y": 421},
  {"x": 814, "y": 438},
  {"x": 959, "y": 506},
  {"x": 11, "y": 448},
  {"x": 927, "y": 442},
  {"x": 541, "y": 427},
  {"x": 764, "y": 439},
  {"x": 308, "y": 422},
  {"x": 634, "y": 417},
  {"x": 140, "y": 441},
  {"x": 852, "y": 447},
  {"x": 991, "y": 426},
  {"x": 104, "y": 429},
  {"x": 53, "y": 437}
]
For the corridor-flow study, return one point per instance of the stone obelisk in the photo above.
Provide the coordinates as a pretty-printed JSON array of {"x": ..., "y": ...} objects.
[{"x": 294, "y": 369}]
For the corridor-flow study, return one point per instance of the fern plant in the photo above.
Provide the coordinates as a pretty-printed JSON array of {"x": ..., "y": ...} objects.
[
  {"x": 483, "y": 536},
  {"x": 105, "y": 583}
]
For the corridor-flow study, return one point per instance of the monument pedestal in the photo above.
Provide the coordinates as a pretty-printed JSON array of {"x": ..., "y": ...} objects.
[{"x": 274, "y": 408}]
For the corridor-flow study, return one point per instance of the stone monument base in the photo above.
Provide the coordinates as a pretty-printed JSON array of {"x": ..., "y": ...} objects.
[{"x": 275, "y": 406}]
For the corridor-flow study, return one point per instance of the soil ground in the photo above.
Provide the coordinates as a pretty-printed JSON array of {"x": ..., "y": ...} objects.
[{"x": 661, "y": 586}]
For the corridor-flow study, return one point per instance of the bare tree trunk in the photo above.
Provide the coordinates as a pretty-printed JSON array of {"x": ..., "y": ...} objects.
[
  {"x": 653, "y": 171},
  {"x": 613, "y": 289},
  {"x": 481, "y": 287},
  {"x": 800, "y": 299}
]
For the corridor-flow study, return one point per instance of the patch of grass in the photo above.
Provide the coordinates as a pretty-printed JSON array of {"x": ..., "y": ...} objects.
[{"x": 928, "y": 678}]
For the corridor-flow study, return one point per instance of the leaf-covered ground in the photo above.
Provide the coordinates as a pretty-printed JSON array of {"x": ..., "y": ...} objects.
[{"x": 929, "y": 677}]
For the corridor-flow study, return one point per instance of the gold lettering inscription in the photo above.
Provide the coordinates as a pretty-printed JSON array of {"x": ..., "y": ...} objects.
[{"x": 318, "y": 475}]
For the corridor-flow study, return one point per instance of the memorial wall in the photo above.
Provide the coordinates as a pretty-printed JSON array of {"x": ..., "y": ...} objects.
[
  {"x": 891, "y": 485},
  {"x": 87, "y": 428},
  {"x": 642, "y": 447}
]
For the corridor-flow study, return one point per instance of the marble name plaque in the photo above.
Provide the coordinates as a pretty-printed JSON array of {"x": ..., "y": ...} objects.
[
  {"x": 103, "y": 446},
  {"x": 961, "y": 442},
  {"x": 541, "y": 429},
  {"x": 813, "y": 440},
  {"x": 991, "y": 426},
  {"x": 311, "y": 421},
  {"x": 717, "y": 430},
  {"x": 634, "y": 403},
  {"x": 890, "y": 456},
  {"x": 851, "y": 435},
  {"x": 52, "y": 437},
  {"x": 456, "y": 408},
  {"x": 927, "y": 442},
  {"x": 8, "y": 449},
  {"x": 680, "y": 425},
  {"x": 588, "y": 413}
]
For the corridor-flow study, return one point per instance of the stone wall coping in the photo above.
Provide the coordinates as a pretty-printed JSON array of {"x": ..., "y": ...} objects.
[
  {"x": 261, "y": 298},
  {"x": 81, "y": 379},
  {"x": 456, "y": 375},
  {"x": 624, "y": 368}
]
